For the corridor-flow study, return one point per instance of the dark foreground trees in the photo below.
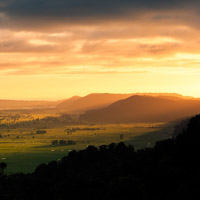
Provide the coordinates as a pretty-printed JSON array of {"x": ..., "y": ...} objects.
[
  {"x": 2, "y": 167},
  {"x": 170, "y": 170}
]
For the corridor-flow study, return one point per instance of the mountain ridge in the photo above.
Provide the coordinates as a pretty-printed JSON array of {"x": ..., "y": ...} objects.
[
  {"x": 101, "y": 100},
  {"x": 144, "y": 109}
]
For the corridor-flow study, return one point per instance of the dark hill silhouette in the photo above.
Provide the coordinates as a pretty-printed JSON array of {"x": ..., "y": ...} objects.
[
  {"x": 170, "y": 170},
  {"x": 144, "y": 109}
]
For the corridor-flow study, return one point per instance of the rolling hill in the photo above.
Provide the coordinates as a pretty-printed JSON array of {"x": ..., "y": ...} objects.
[
  {"x": 91, "y": 101},
  {"x": 66, "y": 104},
  {"x": 144, "y": 109},
  {"x": 76, "y": 104},
  {"x": 100, "y": 100}
]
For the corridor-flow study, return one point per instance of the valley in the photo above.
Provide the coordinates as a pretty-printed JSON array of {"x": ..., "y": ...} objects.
[
  {"x": 29, "y": 137},
  {"x": 23, "y": 148}
]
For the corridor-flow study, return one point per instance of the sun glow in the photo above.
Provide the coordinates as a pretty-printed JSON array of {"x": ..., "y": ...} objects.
[
  {"x": 153, "y": 52},
  {"x": 41, "y": 42},
  {"x": 151, "y": 41}
]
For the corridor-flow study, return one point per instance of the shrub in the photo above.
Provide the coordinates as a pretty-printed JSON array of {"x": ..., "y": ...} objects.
[
  {"x": 62, "y": 142},
  {"x": 41, "y": 131},
  {"x": 54, "y": 142}
]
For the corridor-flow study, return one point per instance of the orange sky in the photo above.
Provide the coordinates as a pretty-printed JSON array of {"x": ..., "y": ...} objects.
[{"x": 50, "y": 57}]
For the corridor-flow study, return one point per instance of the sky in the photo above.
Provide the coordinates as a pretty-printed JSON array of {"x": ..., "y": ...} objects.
[{"x": 57, "y": 49}]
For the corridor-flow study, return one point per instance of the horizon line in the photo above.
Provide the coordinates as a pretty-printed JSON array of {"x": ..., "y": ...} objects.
[{"x": 53, "y": 99}]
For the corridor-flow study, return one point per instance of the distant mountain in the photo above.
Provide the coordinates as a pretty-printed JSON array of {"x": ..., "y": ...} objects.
[
  {"x": 162, "y": 94},
  {"x": 77, "y": 104},
  {"x": 101, "y": 100},
  {"x": 144, "y": 109},
  {"x": 91, "y": 101},
  {"x": 66, "y": 104},
  {"x": 21, "y": 104}
]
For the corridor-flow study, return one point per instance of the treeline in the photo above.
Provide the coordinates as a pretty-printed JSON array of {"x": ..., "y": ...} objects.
[
  {"x": 62, "y": 142},
  {"x": 71, "y": 130},
  {"x": 47, "y": 122},
  {"x": 170, "y": 170}
]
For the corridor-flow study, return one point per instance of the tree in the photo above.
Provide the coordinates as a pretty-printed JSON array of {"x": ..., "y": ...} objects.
[
  {"x": 62, "y": 142},
  {"x": 71, "y": 142},
  {"x": 3, "y": 165},
  {"x": 54, "y": 142},
  {"x": 121, "y": 136},
  {"x": 41, "y": 131}
]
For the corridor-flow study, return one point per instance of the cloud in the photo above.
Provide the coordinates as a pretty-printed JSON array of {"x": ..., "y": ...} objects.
[
  {"x": 70, "y": 9},
  {"x": 19, "y": 13},
  {"x": 41, "y": 37}
]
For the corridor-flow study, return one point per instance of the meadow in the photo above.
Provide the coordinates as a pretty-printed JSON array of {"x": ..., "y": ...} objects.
[{"x": 23, "y": 149}]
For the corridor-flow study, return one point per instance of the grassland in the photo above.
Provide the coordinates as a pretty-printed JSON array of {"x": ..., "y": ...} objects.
[
  {"x": 22, "y": 149},
  {"x": 10, "y": 116}
]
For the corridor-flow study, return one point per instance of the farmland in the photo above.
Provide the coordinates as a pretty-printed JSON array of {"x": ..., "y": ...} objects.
[
  {"x": 23, "y": 148},
  {"x": 11, "y": 117}
]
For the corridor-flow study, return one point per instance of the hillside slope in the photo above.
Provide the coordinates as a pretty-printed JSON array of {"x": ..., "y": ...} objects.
[
  {"x": 144, "y": 109},
  {"x": 101, "y": 100},
  {"x": 91, "y": 101}
]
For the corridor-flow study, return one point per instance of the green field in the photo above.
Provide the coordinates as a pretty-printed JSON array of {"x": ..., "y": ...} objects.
[{"x": 22, "y": 149}]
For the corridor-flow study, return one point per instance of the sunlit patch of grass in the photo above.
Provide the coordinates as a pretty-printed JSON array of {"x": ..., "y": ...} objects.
[
  {"x": 22, "y": 149},
  {"x": 7, "y": 117}
]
